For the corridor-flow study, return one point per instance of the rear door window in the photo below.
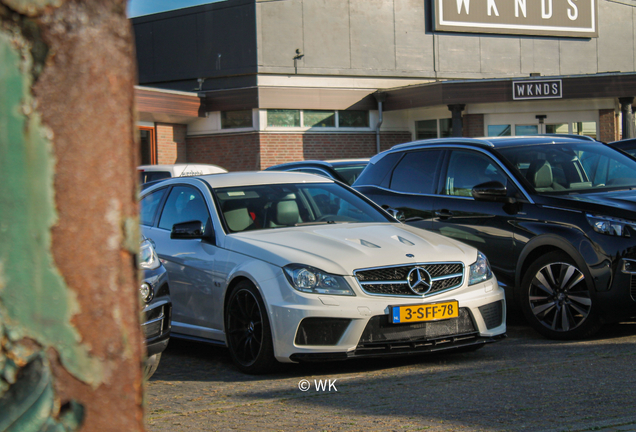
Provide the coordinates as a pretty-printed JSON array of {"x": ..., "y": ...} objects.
[
  {"x": 416, "y": 172},
  {"x": 148, "y": 207}
]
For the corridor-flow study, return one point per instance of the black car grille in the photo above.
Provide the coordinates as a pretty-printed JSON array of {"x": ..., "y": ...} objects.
[
  {"x": 380, "y": 331},
  {"x": 632, "y": 287},
  {"x": 392, "y": 281}
]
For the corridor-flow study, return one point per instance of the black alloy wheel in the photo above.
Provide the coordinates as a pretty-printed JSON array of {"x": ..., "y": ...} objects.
[
  {"x": 556, "y": 299},
  {"x": 247, "y": 330}
]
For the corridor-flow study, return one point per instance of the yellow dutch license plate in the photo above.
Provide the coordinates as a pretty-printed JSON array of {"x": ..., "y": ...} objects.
[{"x": 424, "y": 312}]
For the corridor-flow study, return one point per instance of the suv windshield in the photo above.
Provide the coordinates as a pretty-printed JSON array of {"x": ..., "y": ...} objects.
[
  {"x": 572, "y": 168},
  {"x": 283, "y": 205}
]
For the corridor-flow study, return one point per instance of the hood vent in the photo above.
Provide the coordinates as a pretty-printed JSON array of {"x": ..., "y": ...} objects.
[{"x": 364, "y": 243}]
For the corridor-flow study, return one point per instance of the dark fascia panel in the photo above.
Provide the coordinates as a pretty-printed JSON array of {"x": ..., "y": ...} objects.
[
  {"x": 492, "y": 91},
  {"x": 230, "y": 100}
]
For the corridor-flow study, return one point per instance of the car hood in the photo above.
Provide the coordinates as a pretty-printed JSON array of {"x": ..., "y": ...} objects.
[
  {"x": 342, "y": 248},
  {"x": 609, "y": 203}
]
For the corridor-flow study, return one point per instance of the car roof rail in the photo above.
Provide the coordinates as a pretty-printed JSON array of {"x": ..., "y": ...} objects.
[
  {"x": 435, "y": 141},
  {"x": 574, "y": 136}
]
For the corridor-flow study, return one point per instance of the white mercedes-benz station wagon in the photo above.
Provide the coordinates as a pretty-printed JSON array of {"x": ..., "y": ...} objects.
[{"x": 295, "y": 267}]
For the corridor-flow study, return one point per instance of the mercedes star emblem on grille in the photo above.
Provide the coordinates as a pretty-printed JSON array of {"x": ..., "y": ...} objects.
[{"x": 419, "y": 281}]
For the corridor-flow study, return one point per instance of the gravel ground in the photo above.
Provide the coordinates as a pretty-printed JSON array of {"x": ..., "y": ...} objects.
[{"x": 523, "y": 383}]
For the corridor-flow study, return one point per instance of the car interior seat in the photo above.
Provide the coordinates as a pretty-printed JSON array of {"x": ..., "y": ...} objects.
[
  {"x": 539, "y": 175},
  {"x": 237, "y": 216},
  {"x": 284, "y": 213}
]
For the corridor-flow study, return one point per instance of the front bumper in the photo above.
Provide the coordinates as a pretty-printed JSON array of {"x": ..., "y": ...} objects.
[
  {"x": 157, "y": 315},
  {"x": 359, "y": 326},
  {"x": 619, "y": 301}
]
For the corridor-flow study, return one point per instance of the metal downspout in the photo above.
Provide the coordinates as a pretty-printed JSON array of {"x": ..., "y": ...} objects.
[{"x": 380, "y": 98}]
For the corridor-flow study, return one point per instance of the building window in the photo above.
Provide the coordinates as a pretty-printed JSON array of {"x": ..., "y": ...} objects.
[
  {"x": 499, "y": 130},
  {"x": 445, "y": 128},
  {"x": 315, "y": 118},
  {"x": 560, "y": 128},
  {"x": 425, "y": 129},
  {"x": 584, "y": 128},
  {"x": 353, "y": 119},
  {"x": 236, "y": 119},
  {"x": 525, "y": 130},
  {"x": 283, "y": 118}
]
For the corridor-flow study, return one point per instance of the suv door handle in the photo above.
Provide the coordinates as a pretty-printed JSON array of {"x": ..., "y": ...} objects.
[{"x": 444, "y": 214}]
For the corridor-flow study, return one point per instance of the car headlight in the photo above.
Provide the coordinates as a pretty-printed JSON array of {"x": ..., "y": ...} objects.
[
  {"x": 610, "y": 226},
  {"x": 480, "y": 270},
  {"x": 148, "y": 258},
  {"x": 312, "y": 280},
  {"x": 146, "y": 292}
]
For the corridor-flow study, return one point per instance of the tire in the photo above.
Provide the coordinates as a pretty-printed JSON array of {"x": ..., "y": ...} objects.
[
  {"x": 556, "y": 299},
  {"x": 247, "y": 330},
  {"x": 151, "y": 364}
]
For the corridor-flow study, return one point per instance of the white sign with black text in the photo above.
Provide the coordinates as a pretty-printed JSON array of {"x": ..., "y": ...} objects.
[{"x": 537, "y": 89}]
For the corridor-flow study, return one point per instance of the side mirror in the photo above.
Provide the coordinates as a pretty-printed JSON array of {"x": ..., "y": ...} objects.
[
  {"x": 492, "y": 191},
  {"x": 192, "y": 230}
]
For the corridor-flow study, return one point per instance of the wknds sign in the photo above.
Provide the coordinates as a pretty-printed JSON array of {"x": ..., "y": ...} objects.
[
  {"x": 573, "y": 18},
  {"x": 537, "y": 89}
]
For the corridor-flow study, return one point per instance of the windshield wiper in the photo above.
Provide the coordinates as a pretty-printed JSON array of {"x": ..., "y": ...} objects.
[{"x": 318, "y": 223}]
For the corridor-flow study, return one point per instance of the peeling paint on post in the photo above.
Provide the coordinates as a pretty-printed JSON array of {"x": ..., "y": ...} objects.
[{"x": 70, "y": 341}]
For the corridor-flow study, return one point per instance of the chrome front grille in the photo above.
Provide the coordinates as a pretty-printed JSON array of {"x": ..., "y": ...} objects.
[{"x": 392, "y": 281}]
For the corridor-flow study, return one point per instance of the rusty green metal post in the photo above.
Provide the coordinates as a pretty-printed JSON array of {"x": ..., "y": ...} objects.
[{"x": 70, "y": 341}]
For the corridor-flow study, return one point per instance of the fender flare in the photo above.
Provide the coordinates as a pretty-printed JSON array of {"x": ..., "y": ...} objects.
[{"x": 564, "y": 244}]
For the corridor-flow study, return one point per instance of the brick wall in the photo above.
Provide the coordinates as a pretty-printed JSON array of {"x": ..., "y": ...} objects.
[
  {"x": 473, "y": 125},
  {"x": 254, "y": 151},
  {"x": 171, "y": 143},
  {"x": 278, "y": 148},
  {"x": 608, "y": 125},
  {"x": 234, "y": 152}
]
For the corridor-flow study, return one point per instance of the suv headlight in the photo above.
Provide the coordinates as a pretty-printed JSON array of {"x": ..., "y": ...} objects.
[
  {"x": 148, "y": 258},
  {"x": 309, "y": 279},
  {"x": 480, "y": 270},
  {"x": 610, "y": 226}
]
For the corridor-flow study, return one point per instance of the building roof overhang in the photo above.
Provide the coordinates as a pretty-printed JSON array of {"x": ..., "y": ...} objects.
[{"x": 608, "y": 85}]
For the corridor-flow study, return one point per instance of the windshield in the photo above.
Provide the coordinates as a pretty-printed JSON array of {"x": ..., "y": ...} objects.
[
  {"x": 284, "y": 205},
  {"x": 572, "y": 168}
]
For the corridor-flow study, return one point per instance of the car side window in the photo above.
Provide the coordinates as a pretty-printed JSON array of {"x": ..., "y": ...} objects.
[
  {"x": 468, "y": 169},
  {"x": 148, "y": 207},
  {"x": 416, "y": 172},
  {"x": 184, "y": 204}
]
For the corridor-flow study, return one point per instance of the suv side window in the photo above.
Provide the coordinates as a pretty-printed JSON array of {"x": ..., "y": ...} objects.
[
  {"x": 467, "y": 169},
  {"x": 416, "y": 172},
  {"x": 184, "y": 204},
  {"x": 148, "y": 207}
]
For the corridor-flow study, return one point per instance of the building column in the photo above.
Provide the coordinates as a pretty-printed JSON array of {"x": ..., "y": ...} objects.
[
  {"x": 457, "y": 109},
  {"x": 627, "y": 116}
]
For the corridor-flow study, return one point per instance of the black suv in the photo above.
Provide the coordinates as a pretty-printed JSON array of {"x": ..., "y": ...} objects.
[{"x": 555, "y": 215}]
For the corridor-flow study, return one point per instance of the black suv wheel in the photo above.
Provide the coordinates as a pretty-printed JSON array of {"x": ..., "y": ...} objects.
[{"x": 556, "y": 300}]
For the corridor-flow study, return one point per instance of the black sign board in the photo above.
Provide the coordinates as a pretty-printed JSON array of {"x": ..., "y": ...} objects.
[{"x": 537, "y": 89}]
